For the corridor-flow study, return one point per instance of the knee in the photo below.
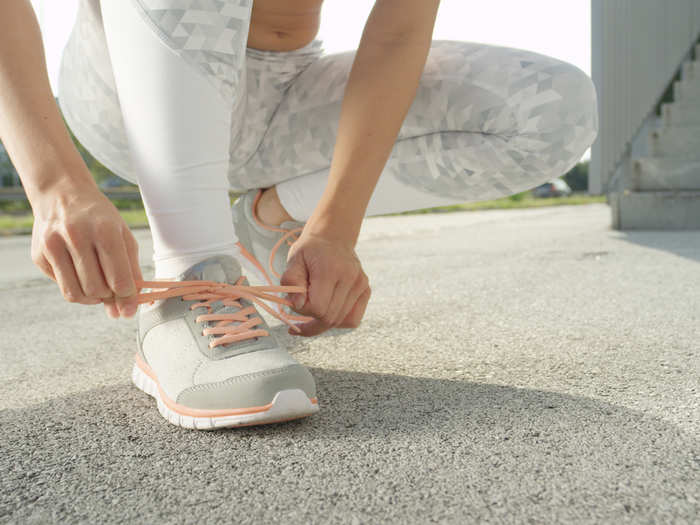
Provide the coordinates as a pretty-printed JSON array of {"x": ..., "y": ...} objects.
[{"x": 564, "y": 109}]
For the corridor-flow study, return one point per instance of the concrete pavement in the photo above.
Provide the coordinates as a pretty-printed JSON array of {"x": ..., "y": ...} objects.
[{"x": 513, "y": 366}]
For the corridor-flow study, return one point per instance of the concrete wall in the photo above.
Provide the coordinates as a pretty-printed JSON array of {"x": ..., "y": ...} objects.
[{"x": 637, "y": 48}]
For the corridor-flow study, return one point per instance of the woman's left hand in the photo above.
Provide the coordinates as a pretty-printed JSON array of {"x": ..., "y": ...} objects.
[{"x": 337, "y": 289}]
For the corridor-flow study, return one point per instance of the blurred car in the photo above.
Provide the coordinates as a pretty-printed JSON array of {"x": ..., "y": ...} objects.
[
  {"x": 113, "y": 182},
  {"x": 553, "y": 188}
]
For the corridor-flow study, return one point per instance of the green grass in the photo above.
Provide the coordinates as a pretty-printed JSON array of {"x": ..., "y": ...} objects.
[
  {"x": 18, "y": 223},
  {"x": 10, "y": 224},
  {"x": 134, "y": 218},
  {"x": 515, "y": 201},
  {"x": 14, "y": 206}
]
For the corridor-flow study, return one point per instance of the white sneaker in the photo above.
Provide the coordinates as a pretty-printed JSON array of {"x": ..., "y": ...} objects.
[
  {"x": 208, "y": 358},
  {"x": 264, "y": 248}
]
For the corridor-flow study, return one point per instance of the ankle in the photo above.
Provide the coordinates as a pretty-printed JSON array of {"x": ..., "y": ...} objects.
[
  {"x": 269, "y": 209},
  {"x": 167, "y": 268}
]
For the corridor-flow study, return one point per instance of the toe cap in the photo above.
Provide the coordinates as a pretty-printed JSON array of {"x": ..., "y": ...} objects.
[{"x": 249, "y": 390}]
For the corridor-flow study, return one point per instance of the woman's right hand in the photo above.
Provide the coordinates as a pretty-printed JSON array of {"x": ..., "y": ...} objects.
[
  {"x": 80, "y": 241},
  {"x": 79, "y": 238}
]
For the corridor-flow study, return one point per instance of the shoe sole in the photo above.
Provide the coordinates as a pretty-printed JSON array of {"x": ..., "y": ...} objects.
[{"x": 286, "y": 406}]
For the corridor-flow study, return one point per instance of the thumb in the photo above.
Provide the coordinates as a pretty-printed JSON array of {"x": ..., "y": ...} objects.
[{"x": 296, "y": 274}]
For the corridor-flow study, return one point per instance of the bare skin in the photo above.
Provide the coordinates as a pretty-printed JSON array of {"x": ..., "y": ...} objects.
[
  {"x": 281, "y": 25},
  {"x": 79, "y": 239}
]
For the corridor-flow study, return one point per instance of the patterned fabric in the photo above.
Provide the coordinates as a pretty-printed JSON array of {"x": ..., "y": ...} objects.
[
  {"x": 487, "y": 121},
  {"x": 211, "y": 35},
  {"x": 269, "y": 75},
  {"x": 87, "y": 94}
]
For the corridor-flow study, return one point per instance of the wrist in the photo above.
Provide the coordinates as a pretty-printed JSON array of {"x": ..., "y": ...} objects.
[
  {"x": 59, "y": 179},
  {"x": 334, "y": 224}
]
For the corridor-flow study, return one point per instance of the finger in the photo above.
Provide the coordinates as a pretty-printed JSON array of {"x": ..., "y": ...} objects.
[
  {"x": 337, "y": 302},
  {"x": 111, "y": 309},
  {"x": 311, "y": 328},
  {"x": 127, "y": 308},
  {"x": 318, "y": 294},
  {"x": 296, "y": 275},
  {"x": 43, "y": 264},
  {"x": 354, "y": 318},
  {"x": 132, "y": 249},
  {"x": 88, "y": 270},
  {"x": 62, "y": 267},
  {"x": 361, "y": 284},
  {"x": 112, "y": 253}
]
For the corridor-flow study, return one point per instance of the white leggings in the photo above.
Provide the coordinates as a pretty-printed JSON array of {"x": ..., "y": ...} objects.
[{"x": 203, "y": 115}]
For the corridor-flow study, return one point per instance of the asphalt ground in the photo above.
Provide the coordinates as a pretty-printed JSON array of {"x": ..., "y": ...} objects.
[{"x": 513, "y": 366}]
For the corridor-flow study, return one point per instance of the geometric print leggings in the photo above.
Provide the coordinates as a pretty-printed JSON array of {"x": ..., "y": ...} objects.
[{"x": 200, "y": 114}]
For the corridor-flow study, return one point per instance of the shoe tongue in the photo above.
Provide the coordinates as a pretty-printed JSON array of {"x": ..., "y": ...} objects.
[{"x": 219, "y": 268}]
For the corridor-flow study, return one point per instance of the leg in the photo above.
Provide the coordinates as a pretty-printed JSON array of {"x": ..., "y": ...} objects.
[
  {"x": 487, "y": 122},
  {"x": 178, "y": 95}
]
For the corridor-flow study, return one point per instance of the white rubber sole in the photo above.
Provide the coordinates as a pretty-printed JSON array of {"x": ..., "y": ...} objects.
[{"x": 286, "y": 405}]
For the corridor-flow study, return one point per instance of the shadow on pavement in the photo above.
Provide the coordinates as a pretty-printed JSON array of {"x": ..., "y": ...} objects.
[
  {"x": 382, "y": 448},
  {"x": 682, "y": 243}
]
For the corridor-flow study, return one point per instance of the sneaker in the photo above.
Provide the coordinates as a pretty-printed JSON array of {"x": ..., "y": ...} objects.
[
  {"x": 207, "y": 356},
  {"x": 264, "y": 248}
]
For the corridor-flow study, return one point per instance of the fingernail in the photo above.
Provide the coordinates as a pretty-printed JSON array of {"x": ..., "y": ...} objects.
[{"x": 129, "y": 310}]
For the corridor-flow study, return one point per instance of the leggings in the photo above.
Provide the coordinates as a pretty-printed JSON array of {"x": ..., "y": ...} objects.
[{"x": 204, "y": 115}]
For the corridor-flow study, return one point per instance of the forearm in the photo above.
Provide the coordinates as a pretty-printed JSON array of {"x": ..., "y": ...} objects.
[
  {"x": 31, "y": 126},
  {"x": 381, "y": 87}
]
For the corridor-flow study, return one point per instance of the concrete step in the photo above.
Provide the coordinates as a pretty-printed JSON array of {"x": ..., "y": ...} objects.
[
  {"x": 690, "y": 70},
  {"x": 686, "y": 90},
  {"x": 676, "y": 141},
  {"x": 680, "y": 113},
  {"x": 664, "y": 174},
  {"x": 692, "y": 67},
  {"x": 655, "y": 210},
  {"x": 689, "y": 84}
]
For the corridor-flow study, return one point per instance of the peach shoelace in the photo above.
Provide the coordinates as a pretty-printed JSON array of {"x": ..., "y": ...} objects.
[
  {"x": 209, "y": 292},
  {"x": 291, "y": 236}
]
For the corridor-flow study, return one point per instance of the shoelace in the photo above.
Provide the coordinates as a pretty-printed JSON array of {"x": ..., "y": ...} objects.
[
  {"x": 209, "y": 292},
  {"x": 291, "y": 236},
  {"x": 294, "y": 234}
]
